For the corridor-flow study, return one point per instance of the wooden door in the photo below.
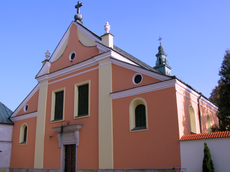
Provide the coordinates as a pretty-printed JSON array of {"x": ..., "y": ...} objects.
[{"x": 70, "y": 154}]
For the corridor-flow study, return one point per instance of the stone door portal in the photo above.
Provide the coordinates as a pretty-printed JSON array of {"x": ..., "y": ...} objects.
[{"x": 70, "y": 154}]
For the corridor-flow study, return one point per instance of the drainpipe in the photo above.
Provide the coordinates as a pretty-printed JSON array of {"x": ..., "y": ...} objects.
[{"x": 199, "y": 112}]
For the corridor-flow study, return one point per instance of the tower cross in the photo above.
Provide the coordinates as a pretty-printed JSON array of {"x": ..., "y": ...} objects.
[
  {"x": 79, "y": 4},
  {"x": 160, "y": 40}
]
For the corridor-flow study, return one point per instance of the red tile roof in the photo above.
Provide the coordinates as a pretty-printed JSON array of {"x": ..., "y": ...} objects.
[{"x": 206, "y": 135}]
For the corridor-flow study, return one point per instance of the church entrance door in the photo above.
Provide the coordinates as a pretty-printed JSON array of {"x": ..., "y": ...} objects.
[{"x": 70, "y": 158}]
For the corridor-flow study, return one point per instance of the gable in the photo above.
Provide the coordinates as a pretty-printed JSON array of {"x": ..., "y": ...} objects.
[{"x": 74, "y": 45}]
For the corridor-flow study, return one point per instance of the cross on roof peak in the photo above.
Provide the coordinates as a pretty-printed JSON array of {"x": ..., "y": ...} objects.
[
  {"x": 78, "y": 16},
  {"x": 79, "y": 4},
  {"x": 160, "y": 40}
]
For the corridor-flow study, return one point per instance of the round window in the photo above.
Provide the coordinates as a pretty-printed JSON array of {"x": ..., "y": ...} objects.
[
  {"x": 72, "y": 56},
  {"x": 26, "y": 107},
  {"x": 137, "y": 78}
]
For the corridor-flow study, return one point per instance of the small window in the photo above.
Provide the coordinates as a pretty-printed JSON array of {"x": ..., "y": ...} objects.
[
  {"x": 140, "y": 120},
  {"x": 138, "y": 115},
  {"x": 23, "y": 134},
  {"x": 159, "y": 60},
  {"x": 192, "y": 120},
  {"x": 58, "y": 113},
  {"x": 26, "y": 107},
  {"x": 57, "y": 106},
  {"x": 72, "y": 56},
  {"x": 137, "y": 78},
  {"x": 209, "y": 125},
  {"x": 82, "y": 99}
]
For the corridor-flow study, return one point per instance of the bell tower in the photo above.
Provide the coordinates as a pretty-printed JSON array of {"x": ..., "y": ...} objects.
[{"x": 162, "y": 64}]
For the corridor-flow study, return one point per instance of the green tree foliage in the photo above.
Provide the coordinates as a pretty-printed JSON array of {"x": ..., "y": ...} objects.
[
  {"x": 208, "y": 165},
  {"x": 221, "y": 94}
]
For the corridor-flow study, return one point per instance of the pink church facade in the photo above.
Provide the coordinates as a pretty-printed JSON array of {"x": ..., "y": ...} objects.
[{"x": 97, "y": 107}]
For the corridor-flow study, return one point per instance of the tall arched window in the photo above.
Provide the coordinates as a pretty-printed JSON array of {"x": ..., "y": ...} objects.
[
  {"x": 192, "y": 120},
  {"x": 138, "y": 114},
  {"x": 140, "y": 120},
  {"x": 209, "y": 125},
  {"x": 23, "y": 134}
]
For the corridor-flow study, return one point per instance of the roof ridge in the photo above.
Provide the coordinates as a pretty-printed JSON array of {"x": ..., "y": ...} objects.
[
  {"x": 219, "y": 134},
  {"x": 134, "y": 59}
]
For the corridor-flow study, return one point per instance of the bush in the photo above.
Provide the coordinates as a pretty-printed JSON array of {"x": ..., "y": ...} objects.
[{"x": 208, "y": 165}]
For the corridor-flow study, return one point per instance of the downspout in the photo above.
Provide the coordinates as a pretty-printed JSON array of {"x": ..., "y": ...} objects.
[{"x": 199, "y": 112}]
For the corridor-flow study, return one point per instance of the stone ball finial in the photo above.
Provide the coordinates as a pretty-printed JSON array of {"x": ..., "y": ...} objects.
[
  {"x": 107, "y": 27},
  {"x": 47, "y": 54},
  {"x": 78, "y": 17}
]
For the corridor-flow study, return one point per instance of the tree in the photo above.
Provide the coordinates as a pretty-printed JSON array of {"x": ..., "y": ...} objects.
[
  {"x": 221, "y": 94},
  {"x": 208, "y": 165}
]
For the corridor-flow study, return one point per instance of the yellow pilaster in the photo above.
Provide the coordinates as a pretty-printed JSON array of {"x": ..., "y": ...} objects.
[
  {"x": 40, "y": 127},
  {"x": 105, "y": 116}
]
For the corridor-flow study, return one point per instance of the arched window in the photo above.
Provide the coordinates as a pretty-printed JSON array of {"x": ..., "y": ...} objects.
[
  {"x": 209, "y": 125},
  {"x": 192, "y": 120},
  {"x": 159, "y": 60},
  {"x": 138, "y": 114},
  {"x": 140, "y": 120},
  {"x": 23, "y": 134}
]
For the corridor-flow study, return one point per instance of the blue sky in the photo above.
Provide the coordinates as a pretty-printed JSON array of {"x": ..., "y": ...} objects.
[{"x": 195, "y": 37}]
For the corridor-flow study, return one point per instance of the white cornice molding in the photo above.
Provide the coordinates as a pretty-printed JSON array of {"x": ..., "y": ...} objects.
[
  {"x": 101, "y": 47},
  {"x": 67, "y": 70},
  {"x": 210, "y": 104},
  {"x": 144, "y": 89},
  {"x": 25, "y": 100},
  {"x": 71, "y": 76},
  {"x": 66, "y": 35},
  {"x": 195, "y": 95},
  {"x": 25, "y": 116},
  {"x": 87, "y": 33},
  {"x": 122, "y": 58},
  {"x": 44, "y": 69},
  {"x": 90, "y": 62},
  {"x": 186, "y": 96},
  {"x": 187, "y": 89},
  {"x": 140, "y": 70}
]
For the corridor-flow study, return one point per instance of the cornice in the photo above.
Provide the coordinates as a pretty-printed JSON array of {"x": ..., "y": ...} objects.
[
  {"x": 140, "y": 70},
  {"x": 25, "y": 116},
  {"x": 67, "y": 70},
  {"x": 66, "y": 35},
  {"x": 210, "y": 104},
  {"x": 44, "y": 69},
  {"x": 187, "y": 89},
  {"x": 196, "y": 96},
  {"x": 88, "y": 63},
  {"x": 101, "y": 47},
  {"x": 68, "y": 128},
  {"x": 144, "y": 89}
]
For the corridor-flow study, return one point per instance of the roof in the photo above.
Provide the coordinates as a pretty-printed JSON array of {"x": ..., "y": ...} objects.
[
  {"x": 5, "y": 112},
  {"x": 134, "y": 59},
  {"x": 206, "y": 135}
]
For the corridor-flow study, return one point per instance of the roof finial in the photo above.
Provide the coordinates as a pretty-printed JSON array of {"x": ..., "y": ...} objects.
[
  {"x": 107, "y": 27},
  {"x": 78, "y": 16},
  {"x": 160, "y": 40},
  {"x": 47, "y": 54}
]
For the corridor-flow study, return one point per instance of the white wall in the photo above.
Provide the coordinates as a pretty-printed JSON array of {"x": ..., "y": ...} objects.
[
  {"x": 5, "y": 144},
  {"x": 192, "y": 153}
]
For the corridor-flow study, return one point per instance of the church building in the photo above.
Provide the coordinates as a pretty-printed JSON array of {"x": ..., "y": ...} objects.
[{"x": 98, "y": 107}]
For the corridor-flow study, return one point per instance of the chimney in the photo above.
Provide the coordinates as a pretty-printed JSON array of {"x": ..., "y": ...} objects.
[{"x": 107, "y": 38}]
